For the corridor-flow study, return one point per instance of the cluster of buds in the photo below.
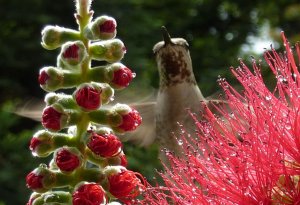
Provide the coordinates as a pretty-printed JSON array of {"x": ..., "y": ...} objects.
[{"x": 80, "y": 133}]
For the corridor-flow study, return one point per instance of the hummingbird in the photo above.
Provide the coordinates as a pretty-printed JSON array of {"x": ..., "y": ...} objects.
[{"x": 178, "y": 95}]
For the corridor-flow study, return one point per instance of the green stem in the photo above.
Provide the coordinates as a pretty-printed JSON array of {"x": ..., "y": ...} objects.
[{"x": 83, "y": 18}]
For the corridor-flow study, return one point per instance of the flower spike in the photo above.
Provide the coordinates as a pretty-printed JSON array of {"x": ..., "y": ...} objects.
[{"x": 79, "y": 131}]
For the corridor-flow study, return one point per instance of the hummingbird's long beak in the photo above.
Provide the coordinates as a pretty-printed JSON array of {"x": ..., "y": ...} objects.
[{"x": 166, "y": 36}]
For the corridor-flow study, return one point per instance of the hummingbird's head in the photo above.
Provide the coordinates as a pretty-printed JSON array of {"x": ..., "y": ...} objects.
[{"x": 173, "y": 61}]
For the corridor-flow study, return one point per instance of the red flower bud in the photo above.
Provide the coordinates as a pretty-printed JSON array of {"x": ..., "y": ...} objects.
[
  {"x": 71, "y": 52},
  {"x": 88, "y": 97},
  {"x": 41, "y": 179},
  {"x": 43, "y": 77},
  {"x": 51, "y": 118},
  {"x": 34, "y": 181},
  {"x": 131, "y": 120},
  {"x": 66, "y": 159},
  {"x": 89, "y": 194},
  {"x": 124, "y": 185},
  {"x": 109, "y": 26},
  {"x": 104, "y": 145},
  {"x": 122, "y": 77},
  {"x": 34, "y": 142}
]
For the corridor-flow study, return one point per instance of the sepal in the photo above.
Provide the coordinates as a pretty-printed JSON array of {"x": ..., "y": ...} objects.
[
  {"x": 52, "y": 79},
  {"x": 54, "y": 36},
  {"x": 111, "y": 50},
  {"x": 54, "y": 197}
]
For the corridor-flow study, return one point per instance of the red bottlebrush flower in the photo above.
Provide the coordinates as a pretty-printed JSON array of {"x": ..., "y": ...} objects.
[
  {"x": 34, "y": 181},
  {"x": 43, "y": 77},
  {"x": 109, "y": 26},
  {"x": 51, "y": 118},
  {"x": 122, "y": 77},
  {"x": 125, "y": 185},
  {"x": 71, "y": 52},
  {"x": 89, "y": 194},
  {"x": 130, "y": 121},
  {"x": 66, "y": 159},
  {"x": 104, "y": 145},
  {"x": 249, "y": 155},
  {"x": 88, "y": 97}
]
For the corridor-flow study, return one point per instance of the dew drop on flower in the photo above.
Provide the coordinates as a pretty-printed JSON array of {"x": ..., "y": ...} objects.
[
  {"x": 133, "y": 75},
  {"x": 268, "y": 98},
  {"x": 288, "y": 127},
  {"x": 180, "y": 142}
]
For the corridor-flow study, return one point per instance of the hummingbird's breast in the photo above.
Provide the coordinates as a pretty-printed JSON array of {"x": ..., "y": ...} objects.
[{"x": 175, "y": 66}]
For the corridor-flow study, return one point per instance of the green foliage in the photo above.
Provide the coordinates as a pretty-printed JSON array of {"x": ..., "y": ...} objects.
[{"x": 15, "y": 158}]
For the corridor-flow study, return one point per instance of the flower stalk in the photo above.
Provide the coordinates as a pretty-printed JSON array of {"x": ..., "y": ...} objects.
[{"x": 79, "y": 133}]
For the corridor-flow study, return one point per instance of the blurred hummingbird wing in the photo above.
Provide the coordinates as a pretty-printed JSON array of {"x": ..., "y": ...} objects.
[
  {"x": 145, "y": 134},
  {"x": 32, "y": 109}
]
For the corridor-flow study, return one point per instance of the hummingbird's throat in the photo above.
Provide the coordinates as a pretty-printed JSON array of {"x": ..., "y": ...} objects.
[{"x": 175, "y": 67}]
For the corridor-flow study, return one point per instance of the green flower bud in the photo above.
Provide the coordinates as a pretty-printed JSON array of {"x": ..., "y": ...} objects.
[
  {"x": 101, "y": 74},
  {"x": 54, "y": 36},
  {"x": 102, "y": 116},
  {"x": 116, "y": 74},
  {"x": 111, "y": 50},
  {"x": 42, "y": 144},
  {"x": 52, "y": 79},
  {"x": 62, "y": 99},
  {"x": 103, "y": 27},
  {"x": 72, "y": 54},
  {"x": 54, "y": 197}
]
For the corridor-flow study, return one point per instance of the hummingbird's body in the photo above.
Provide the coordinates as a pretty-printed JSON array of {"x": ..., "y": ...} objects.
[{"x": 178, "y": 92}]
